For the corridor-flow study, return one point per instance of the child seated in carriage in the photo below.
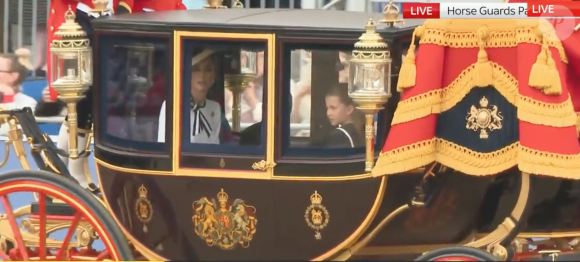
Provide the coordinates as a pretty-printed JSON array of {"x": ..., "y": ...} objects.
[{"x": 342, "y": 113}]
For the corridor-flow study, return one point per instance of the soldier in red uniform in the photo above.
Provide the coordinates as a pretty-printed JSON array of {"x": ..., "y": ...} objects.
[
  {"x": 482, "y": 96},
  {"x": 136, "y": 6}
]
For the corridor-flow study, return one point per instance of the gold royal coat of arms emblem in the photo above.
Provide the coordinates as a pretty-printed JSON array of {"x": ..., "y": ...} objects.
[
  {"x": 316, "y": 215},
  {"x": 484, "y": 119},
  {"x": 223, "y": 225}
]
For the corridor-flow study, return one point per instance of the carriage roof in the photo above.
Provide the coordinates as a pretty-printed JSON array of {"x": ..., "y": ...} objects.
[{"x": 306, "y": 21}]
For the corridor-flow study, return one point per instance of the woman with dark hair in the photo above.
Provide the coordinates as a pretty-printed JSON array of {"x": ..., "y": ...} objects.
[
  {"x": 206, "y": 114},
  {"x": 342, "y": 113}
]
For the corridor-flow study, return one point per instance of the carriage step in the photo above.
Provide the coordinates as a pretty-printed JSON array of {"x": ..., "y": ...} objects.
[{"x": 54, "y": 209}]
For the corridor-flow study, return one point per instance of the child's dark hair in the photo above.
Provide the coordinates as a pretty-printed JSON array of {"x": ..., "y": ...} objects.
[
  {"x": 19, "y": 63},
  {"x": 358, "y": 117}
]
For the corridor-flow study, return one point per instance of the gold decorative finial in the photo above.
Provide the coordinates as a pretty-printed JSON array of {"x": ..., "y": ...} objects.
[
  {"x": 391, "y": 13},
  {"x": 142, "y": 191},
  {"x": 214, "y": 4},
  {"x": 237, "y": 4},
  {"x": 222, "y": 196},
  {"x": 316, "y": 199},
  {"x": 370, "y": 39},
  {"x": 70, "y": 28},
  {"x": 100, "y": 7}
]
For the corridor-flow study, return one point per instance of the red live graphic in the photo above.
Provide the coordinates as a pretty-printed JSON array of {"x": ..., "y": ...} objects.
[
  {"x": 420, "y": 10},
  {"x": 555, "y": 9}
]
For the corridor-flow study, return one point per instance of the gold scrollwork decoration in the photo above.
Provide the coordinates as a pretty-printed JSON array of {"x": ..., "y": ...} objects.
[
  {"x": 143, "y": 208},
  {"x": 484, "y": 119},
  {"x": 316, "y": 215},
  {"x": 224, "y": 225},
  {"x": 222, "y": 163},
  {"x": 263, "y": 165}
]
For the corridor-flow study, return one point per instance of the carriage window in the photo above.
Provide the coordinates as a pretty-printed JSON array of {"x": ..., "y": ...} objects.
[
  {"x": 133, "y": 87},
  {"x": 322, "y": 115},
  {"x": 222, "y": 96}
]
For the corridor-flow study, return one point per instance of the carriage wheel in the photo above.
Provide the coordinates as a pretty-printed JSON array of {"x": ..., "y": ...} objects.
[
  {"x": 85, "y": 211},
  {"x": 457, "y": 254}
]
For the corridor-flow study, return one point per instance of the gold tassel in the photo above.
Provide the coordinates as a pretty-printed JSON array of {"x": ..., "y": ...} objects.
[
  {"x": 539, "y": 73},
  {"x": 578, "y": 123},
  {"x": 408, "y": 72},
  {"x": 483, "y": 75},
  {"x": 555, "y": 87}
]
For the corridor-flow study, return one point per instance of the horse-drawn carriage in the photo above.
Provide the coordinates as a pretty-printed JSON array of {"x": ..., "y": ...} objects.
[{"x": 183, "y": 173}]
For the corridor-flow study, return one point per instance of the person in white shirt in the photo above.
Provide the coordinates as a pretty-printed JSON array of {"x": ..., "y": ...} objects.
[
  {"x": 205, "y": 114},
  {"x": 14, "y": 69}
]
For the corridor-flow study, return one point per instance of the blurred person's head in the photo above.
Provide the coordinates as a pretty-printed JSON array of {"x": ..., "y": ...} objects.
[
  {"x": 340, "y": 109},
  {"x": 203, "y": 74},
  {"x": 344, "y": 68},
  {"x": 14, "y": 68}
]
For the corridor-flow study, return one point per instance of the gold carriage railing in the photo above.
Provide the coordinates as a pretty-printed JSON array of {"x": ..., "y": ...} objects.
[{"x": 22, "y": 128}]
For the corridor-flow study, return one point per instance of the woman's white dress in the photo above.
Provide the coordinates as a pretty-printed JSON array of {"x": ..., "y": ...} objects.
[{"x": 205, "y": 123}]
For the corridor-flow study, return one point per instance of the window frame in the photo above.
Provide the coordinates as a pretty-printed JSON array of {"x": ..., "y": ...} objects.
[
  {"x": 207, "y": 160},
  {"x": 106, "y": 43},
  {"x": 310, "y": 161}
]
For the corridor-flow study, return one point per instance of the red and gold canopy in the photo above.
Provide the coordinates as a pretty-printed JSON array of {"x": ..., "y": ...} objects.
[{"x": 524, "y": 62}]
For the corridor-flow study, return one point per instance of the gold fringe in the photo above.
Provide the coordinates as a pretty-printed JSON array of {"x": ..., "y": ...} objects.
[
  {"x": 529, "y": 109},
  {"x": 475, "y": 163},
  {"x": 578, "y": 123},
  {"x": 483, "y": 71},
  {"x": 408, "y": 72},
  {"x": 462, "y": 33},
  {"x": 417, "y": 107}
]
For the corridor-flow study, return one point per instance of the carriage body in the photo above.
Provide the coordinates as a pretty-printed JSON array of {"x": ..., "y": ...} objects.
[{"x": 276, "y": 188}]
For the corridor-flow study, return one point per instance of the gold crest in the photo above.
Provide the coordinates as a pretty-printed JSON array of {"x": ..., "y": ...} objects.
[
  {"x": 223, "y": 225},
  {"x": 143, "y": 208},
  {"x": 316, "y": 215},
  {"x": 484, "y": 119}
]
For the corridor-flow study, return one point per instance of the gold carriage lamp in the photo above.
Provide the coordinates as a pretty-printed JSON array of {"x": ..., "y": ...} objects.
[
  {"x": 369, "y": 83},
  {"x": 72, "y": 66},
  {"x": 139, "y": 76},
  {"x": 237, "y": 83},
  {"x": 391, "y": 14}
]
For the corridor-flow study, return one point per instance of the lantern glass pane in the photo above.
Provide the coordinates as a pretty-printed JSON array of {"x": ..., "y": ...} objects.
[
  {"x": 249, "y": 61},
  {"x": 139, "y": 67},
  {"x": 368, "y": 77},
  {"x": 387, "y": 76},
  {"x": 65, "y": 68},
  {"x": 87, "y": 67}
]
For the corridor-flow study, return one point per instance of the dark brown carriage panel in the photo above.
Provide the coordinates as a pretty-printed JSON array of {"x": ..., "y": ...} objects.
[
  {"x": 220, "y": 162},
  {"x": 316, "y": 219},
  {"x": 133, "y": 159},
  {"x": 554, "y": 208},
  {"x": 171, "y": 230},
  {"x": 450, "y": 219}
]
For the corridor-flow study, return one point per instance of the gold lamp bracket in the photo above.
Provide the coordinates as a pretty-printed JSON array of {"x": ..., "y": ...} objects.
[
  {"x": 215, "y": 4},
  {"x": 100, "y": 7},
  {"x": 391, "y": 14}
]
